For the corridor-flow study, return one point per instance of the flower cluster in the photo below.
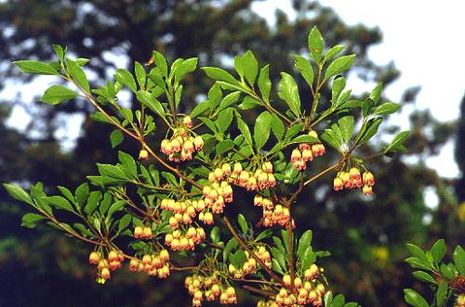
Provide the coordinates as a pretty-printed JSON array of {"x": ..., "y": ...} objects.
[
  {"x": 249, "y": 267},
  {"x": 105, "y": 265},
  {"x": 182, "y": 144},
  {"x": 143, "y": 232},
  {"x": 209, "y": 288},
  {"x": 260, "y": 179},
  {"x": 185, "y": 240},
  {"x": 272, "y": 214},
  {"x": 309, "y": 290},
  {"x": 306, "y": 152},
  {"x": 219, "y": 192},
  {"x": 152, "y": 264},
  {"x": 353, "y": 179}
]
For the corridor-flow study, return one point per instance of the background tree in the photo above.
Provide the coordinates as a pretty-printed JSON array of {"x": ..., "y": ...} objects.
[{"x": 366, "y": 238}]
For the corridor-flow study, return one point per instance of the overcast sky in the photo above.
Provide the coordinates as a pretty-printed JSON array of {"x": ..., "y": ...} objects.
[{"x": 426, "y": 41}]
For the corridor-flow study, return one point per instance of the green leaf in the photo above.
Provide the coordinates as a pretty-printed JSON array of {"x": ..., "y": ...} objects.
[
  {"x": 336, "y": 89},
  {"x": 459, "y": 260},
  {"x": 229, "y": 99},
  {"x": 245, "y": 131},
  {"x": 141, "y": 75},
  {"x": 105, "y": 204},
  {"x": 332, "y": 52},
  {"x": 231, "y": 245},
  {"x": 151, "y": 102},
  {"x": 219, "y": 74},
  {"x": 60, "y": 202},
  {"x": 331, "y": 138},
  {"x": 66, "y": 192},
  {"x": 264, "y": 83},
  {"x": 124, "y": 222},
  {"x": 264, "y": 234},
  {"x": 438, "y": 250},
  {"x": 116, "y": 137},
  {"x": 215, "y": 234},
  {"x": 238, "y": 258},
  {"x": 30, "y": 220},
  {"x": 187, "y": 66},
  {"x": 423, "y": 276},
  {"x": 304, "y": 242},
  {"x": 418, "y": 263},
  {"x": 289, "y": 92},
  {"x": 305, "y": 68},
  {"x": 441, "y": 293},
  {"x": 112, "y": 171},
  {"x": 92, "y": 202},
  {"x": 200, "y": 109},
  {"x": 78, "y": 75},
  {"x": 277, "y": 126},
  {"x": 224, "y": 146},
  {"x": 292, "y": 131},
  {"x": 224, "y": 119},
  {"x": 315, "y": 44},
  {"x": 262, "y": 129},
  {"x": 398, "y": 140},
  {"x": 346, "y": 124},
  {"x": 304, "y": 139},
  {"x": 18, "y": 193},
  {"x": 246, "y": 66},
  {"x": 339, "y": 65},
  {"x": 338, "y": 301},
  {"x": 126, "y": 78},
  {"x": 57, "y": 94},
  {"x": 386, "y": 109},
  {"x": 375, "y": 94},
  {"x": 368, "y": 131},
  {"x": 160, "y": 63},
  {"x": 248, "y": 103},
  {"x": 413, "y": 298},
  {"x": 242, "y": 223},
  {"x": 128, "y": 163},
  {"x": 447, "y": 271},
  {"x": 35, "y": 67},
  {"x": 82, "y": 191},
  {"x": 115, "y": 207},
  {"x": 59, "y": 51}
]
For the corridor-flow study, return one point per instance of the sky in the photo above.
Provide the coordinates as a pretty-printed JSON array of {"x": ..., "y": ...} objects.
[
  {"x": 423, "y": 38},
  {"x": 426, "y": 42}
]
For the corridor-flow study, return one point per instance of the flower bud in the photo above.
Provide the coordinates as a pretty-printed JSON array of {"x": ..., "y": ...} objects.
[
  {"x": 94, "y": 258},
  {"x": 187, "y": 121},
  {"x": 143, "y": 154},
  {"x": 198, "y": 143}
]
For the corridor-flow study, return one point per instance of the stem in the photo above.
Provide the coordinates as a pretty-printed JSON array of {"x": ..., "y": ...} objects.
[
  {"x": 251, "y": 253},
  {"x": 258, "y": 281},
  {"x": 316, "y": 93},
  {"x": 72, "y": 232},
  {"x": 291, "y": 254},
  {"x": 334, "y": 166},
  {"x": 269, "y": 107},
  {"x": 259, "y": 291}
]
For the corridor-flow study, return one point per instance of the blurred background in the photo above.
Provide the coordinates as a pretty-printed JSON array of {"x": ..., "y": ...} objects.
[{"x": 419, "y": 196}]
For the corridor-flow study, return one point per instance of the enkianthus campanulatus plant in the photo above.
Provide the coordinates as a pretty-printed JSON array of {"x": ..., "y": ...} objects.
[{"x": 171, "y": 198}]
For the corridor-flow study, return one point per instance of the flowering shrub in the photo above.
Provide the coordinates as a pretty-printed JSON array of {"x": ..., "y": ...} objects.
[{"x": 155, "y": 210}]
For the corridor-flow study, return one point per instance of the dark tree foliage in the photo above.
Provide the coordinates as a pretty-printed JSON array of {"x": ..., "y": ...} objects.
[
  {"x": 459, "y": 152},
  {"x": 365, "y": 237}
]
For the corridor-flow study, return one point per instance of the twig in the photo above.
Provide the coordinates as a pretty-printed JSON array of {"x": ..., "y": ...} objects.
[{"x": 251, "y": 253}]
